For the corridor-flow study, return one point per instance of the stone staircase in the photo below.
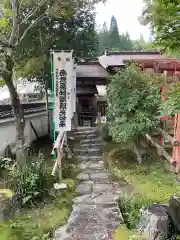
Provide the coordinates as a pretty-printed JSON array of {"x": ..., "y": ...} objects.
[{"x": 95, "y": 213}]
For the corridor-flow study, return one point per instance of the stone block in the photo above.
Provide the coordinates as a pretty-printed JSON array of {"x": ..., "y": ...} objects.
[
  {"x": 174, "y": 212},
  {"x": 154, "y": 222},
  {"x": 9, "y": 204},
  {"x": 83, "y": 158},
  {"x": 83, "y": 177},
  {"x": 100, "y": 177},
  {"x": 84, "y": 188},
  {"x": 101, "y": 188},
  {"x": 94, "y": 152},
  {"x": 83, "y": 166},
  {"x": 85, "y": 199},
  {"x": 95, "y": 158}
]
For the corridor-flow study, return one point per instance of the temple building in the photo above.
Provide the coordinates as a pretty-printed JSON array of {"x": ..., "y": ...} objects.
[{"x": 90, "y": 75}]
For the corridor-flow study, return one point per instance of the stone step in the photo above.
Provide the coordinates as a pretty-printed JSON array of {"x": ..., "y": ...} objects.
[
  {"x": 84, "y": 188},
  {"x": 91, "y": 145},
  {"x": 88, "y": 159},
  {"x": 95, "y": 140},
  {"x": 80, "y": 129},
  {"x": 84, "y": 136},
  {"x": 89, "y": 132},
  {"x": 88, "y": 152},
  {"x": 91, "y": 166}
]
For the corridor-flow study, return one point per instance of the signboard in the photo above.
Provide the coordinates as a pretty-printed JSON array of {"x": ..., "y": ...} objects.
[{"x": 63, "y": 68}]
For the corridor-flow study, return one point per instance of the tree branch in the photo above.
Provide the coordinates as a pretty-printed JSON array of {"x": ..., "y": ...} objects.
[
  {"x": 35, "y": 22},
  {"x": 30, "y": 26},
  {"x": 14, "y": 21},
  {"x": 32, "y": 12}
]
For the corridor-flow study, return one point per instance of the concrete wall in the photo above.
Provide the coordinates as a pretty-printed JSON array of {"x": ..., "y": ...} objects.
[{"x": 8, "y": 130}]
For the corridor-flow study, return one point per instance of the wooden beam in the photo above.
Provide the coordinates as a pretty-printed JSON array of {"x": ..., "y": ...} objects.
[
  {"x": 165, "y": 154},
  {"x": 173, "y": 141}
]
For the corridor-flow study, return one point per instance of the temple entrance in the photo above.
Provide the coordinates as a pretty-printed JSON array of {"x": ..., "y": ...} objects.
[{"x": 85, "y": 111}]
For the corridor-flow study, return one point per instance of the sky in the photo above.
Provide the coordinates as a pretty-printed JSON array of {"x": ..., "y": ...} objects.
[{"x": 126, "y": 13}]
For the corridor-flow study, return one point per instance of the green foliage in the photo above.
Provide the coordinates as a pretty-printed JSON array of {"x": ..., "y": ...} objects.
[
  {"x": 163, "y": 16},
  {"x": 71, "y": 186},
  {"x": 172, "y": 104},
  {"x": 105, "y": 132},
  {"x": 5, "y": 163},
  {"x": 57, "y": 25},
  {"x": 2, "y": 83},
  {"x": 142, "y": 185},
  {"x": 110, "y": 39},
  {"x": 142, "y": 45},
  {"x": 113, "y": 39},
  {"x": 39, "y": 222},
  {"x": 133, "y": 100},
  {"x": 130, "y": 209},
  {"x": 30, "y": 181}
]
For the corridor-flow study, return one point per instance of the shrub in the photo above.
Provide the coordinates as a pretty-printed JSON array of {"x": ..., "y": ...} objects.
[
  {"x": 133, "y": 102},
  {"x": 130, "y": 209},
  {"x": 105, "y": 132},
  {"x": 30, "y": 180},
  {"x": 71, "y": 186}
]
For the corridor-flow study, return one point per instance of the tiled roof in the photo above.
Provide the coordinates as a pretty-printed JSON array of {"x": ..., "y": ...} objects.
[
  {"x": 90, "y": 70},
  {"x": 118, "y": 58}
]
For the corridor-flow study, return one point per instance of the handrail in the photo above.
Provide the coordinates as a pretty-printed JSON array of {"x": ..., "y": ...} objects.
[{"x": 57, "y": 149}]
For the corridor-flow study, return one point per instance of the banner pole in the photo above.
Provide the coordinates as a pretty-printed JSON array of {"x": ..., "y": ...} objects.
[{"x": 52, "y": 77}]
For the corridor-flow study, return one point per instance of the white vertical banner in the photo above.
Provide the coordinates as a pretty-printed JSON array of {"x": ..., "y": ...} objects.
[{"x": 62, "y": 68}]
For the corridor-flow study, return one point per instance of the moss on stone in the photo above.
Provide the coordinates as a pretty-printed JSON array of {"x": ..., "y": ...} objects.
[
  {"x": 122, "y": 233},
  {"x": 7, "y": 193}
]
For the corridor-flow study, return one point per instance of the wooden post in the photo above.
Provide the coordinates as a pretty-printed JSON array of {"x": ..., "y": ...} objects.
[
  {"x": 98, "y": 117},
  {"x": 59, "y": 162},
  {"x": 176, "y": 149},
  {"x": 164, "y": 153}
]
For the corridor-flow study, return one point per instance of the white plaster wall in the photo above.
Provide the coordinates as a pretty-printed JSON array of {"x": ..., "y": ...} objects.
[
  {"x": 8, "y": 130},
  {"x": 51, "y": 124}
]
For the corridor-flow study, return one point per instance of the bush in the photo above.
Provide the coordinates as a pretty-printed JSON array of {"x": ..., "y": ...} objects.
[
  {"x": 29, "y": 181},
  {"x": 130, "y": 209},
  {"x": 71, "y": 186},
  {"x": 105, "y": 132},
  {"x": 133, "y": 102}
]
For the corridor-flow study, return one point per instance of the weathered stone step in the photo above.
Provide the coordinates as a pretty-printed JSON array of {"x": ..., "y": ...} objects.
[
  {"x": 96, "y": 140},
  {"x": 89, "y": 159},
  {"x": 89, "y": 152},
  {"x": 84, "y": 188},
  {"x": 91, "y": 145},
  {"x": 95, "y": 212},
  {"x": 85, "y": 129},
  {"x": 90, "y": 222},
  {"x": 91, "y": 166},
  {"x": 85, "y": 136}
]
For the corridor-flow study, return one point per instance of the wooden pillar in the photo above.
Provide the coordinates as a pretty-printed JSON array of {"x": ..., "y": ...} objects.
[
  {"x": 176, "y": 149},
  {"x": 94, "y": 110},
  {"x": 98, "y": 117},
  {"x": 75, "y": 116}
]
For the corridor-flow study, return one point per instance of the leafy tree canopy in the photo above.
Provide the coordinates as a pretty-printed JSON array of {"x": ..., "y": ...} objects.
[
  {"x": 172, "y": 104},
  {"x": 133, "y": 100},
  {"x": 54, "y": 25},
  {"x": 164, "y": 18}
]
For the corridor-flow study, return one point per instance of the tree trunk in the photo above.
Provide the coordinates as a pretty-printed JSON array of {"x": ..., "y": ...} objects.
[
  {"x": 137, "y": 152},
  {"x": 16, "y": 108}
]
